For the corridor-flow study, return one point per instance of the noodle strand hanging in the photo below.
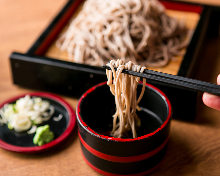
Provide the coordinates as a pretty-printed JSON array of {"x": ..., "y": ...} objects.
[{"x": 124, "y": 88}]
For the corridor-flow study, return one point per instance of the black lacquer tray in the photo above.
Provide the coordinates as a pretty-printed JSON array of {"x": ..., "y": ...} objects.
[{"x": 35, "y": 69}]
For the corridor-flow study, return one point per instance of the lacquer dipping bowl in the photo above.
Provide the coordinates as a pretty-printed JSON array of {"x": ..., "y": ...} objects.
[{"x": 123, "y": 156}]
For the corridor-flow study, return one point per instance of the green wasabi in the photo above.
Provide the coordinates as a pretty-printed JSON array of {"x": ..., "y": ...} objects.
[{"x": 43, "y": 135}]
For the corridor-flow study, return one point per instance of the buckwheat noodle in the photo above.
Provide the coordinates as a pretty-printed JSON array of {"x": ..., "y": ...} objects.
[
  {"x": 136, "y": 29},
  {"x": 124, "y": 88}
]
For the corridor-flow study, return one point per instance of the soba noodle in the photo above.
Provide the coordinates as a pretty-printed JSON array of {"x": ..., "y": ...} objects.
[
  {"x": 136, "y": 29},
  {"x": 124, "y": 88}
]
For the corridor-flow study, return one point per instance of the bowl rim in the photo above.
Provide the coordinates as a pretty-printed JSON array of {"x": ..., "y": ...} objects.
[
  {"x": 63, "y": 136},
  {"x": 92, "y": 132}
]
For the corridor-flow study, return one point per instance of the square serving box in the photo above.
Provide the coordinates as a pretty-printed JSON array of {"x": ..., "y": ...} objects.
[{"x": 39, "y": 69}]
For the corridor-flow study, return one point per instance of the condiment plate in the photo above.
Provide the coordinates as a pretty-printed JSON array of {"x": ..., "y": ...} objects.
[{"x": 23, "y": 142}]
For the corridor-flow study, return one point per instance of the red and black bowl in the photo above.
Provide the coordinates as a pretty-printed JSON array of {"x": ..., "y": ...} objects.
[{"x": 123, "y": 156}]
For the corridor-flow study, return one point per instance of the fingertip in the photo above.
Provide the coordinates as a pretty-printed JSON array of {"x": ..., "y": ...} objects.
[
  {"x": 218, "y": 79},
  {"x": 205, "y": 98},
  {"x": 211, "y": 101}
]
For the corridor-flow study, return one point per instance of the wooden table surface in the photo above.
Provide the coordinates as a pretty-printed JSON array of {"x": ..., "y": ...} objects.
[{"x": 193, "y": 149}]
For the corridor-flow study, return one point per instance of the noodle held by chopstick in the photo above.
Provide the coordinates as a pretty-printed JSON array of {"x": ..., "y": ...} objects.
[
  {"x": 136, "y": 29},
  {"x": 124, "y": 88}
]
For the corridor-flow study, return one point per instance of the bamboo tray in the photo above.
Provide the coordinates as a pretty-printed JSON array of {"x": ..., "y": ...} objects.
[{"x": 191, "y": 20}]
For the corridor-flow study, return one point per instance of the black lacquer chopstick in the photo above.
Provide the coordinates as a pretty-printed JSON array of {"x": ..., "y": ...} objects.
[{"x": 175, "y": 81}]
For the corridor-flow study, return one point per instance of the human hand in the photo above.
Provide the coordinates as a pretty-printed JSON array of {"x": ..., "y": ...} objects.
[{"x": 210, "y": 100}]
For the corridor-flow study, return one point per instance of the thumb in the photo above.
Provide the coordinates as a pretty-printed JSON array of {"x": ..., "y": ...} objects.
[{"x": 210, "y": 100}]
